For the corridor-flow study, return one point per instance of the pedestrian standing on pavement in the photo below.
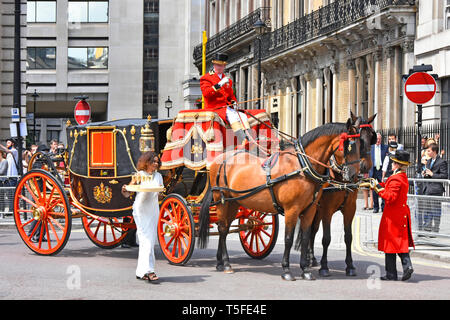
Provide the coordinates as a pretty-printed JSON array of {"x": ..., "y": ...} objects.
[
  {"x": 12, "y": 156},
  {"x": 3, "y": 178},
  {"x": 387, "y": 163},
  {"x": 145, "y": 214},
  {"x": 394, "y": 234},
  {"x": 435, "y": 168},
  {"x": 378, "y": 152}
]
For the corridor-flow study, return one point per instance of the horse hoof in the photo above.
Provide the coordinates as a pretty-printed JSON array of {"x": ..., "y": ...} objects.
[
  {"x": 350, "y": 273},
  {"x": 287, "y": 276},
  {"x": 308, "y": 276},
  {"x": 220, "y": 267},
  {"x": 324, "y": 272},
  {"x": 228, "y": 270}
]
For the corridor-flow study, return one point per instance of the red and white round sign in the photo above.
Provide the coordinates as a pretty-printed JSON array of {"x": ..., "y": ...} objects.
[
  {"x": 82, "y": 112},
  {"x": 420, "y": 87}
]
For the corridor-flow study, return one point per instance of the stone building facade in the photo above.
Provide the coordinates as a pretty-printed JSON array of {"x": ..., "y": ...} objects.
[
  {"x": 320, "y": 59},
  {"x": 432, "y": 46}
]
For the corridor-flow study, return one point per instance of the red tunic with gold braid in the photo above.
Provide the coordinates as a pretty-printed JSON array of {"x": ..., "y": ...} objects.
[
  {"x": 394, "y": 234},
  {"x": 216, "y": 99}
]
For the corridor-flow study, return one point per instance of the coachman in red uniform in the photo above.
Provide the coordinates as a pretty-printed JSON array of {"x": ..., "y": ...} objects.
[
  {"x": 217, "y": 89},
  {"x": 394, "y": 235}
]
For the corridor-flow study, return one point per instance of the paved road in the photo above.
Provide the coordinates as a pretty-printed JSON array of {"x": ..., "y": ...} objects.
[{"x": 83, "y": 271}]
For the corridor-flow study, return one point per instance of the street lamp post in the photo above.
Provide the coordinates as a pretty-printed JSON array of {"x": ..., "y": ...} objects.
[
  {"x": 260, "y": 28},
  {"x": 168, "y": 105},
  {"x": 34, "y": 95}
]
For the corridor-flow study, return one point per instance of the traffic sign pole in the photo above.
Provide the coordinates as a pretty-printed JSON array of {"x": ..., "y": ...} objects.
[
  {"x": 420, "y": 87},
  {"x": 419, "y": 138}
]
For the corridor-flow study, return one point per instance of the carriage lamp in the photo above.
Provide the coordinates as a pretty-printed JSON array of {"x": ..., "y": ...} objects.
[
  {"x": 147, "y": 139},
  {"x": 168, "y": 105}
]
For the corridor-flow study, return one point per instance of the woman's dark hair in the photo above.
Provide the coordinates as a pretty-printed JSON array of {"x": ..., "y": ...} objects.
[{"x": 146, "y": 159}]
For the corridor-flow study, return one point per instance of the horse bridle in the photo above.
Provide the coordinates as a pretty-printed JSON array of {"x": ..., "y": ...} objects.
[{"x": 341, "y": 168}]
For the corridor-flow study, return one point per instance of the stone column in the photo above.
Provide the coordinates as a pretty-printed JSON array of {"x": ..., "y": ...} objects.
[
  {"x": 303, "y": 89},
  {"x": 308, "y": 112},
  {"x": 327, "y": 90},
  {"x": 318, "y": 74},
  {"x": 396, "y": 117},
  {"x": 359, "y": 63},
  {"x": 408, "y": 108},
  {"x": 371, "y": 84},
  {"x": 351, "y": 86},
  {"x": 377, "y": 94},
  {"x": 389, "y": 94},
  {"x": 293, "y": 117},
  {"x": 334, "y": 100}
]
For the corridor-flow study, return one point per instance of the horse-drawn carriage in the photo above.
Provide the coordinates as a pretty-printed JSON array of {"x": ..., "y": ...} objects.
[
  {"x": 206, "y": 182},
  {"x": 85, "y": 182}
]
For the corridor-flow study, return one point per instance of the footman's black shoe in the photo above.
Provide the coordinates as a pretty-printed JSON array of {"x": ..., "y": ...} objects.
[{"x": 407, "y": 274}]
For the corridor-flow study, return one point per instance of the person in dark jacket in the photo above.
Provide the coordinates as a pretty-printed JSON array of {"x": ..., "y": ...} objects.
[
  {"x": 436, "y": 168},
  {"x": 378, "y": 152}
]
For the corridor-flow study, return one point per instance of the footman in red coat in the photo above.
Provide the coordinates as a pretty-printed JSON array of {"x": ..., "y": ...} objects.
[
  {"x": 394, "y": 235},
  {"x": 217, "y": 89}
]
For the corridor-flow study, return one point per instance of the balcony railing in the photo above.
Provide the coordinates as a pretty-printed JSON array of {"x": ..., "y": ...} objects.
[
  {"x": 233, "y": 32},
  {"x": 327, "y": 19}
]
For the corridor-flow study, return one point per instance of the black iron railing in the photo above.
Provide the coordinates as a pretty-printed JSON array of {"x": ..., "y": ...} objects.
[
  {"x": 233, "y": 32},
  {"x": 329, "y": 18},
  {"x": 408, "y": 137}
]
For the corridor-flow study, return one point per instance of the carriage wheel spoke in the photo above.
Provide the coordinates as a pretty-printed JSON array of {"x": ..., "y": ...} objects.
[
  {"x": 53, "y": 229},
  {"x": 168, "y": 243},
  {"x": 174, "y": 249},
  {"x": 262, "y": 240},
  {"x": 57, "y": 223},
  {"x": 28, "y": 200}
]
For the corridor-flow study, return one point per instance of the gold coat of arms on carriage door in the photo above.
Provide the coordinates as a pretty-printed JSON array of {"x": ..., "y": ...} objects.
[{"x": 102, "y": 193}]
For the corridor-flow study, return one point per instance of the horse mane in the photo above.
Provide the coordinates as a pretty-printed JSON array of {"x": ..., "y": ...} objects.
[{"x": 326, "y": 129}]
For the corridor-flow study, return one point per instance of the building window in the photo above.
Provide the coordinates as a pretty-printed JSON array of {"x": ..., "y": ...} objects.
[
  {"x": 88, "y": 58},
  {"x": 52, "y": 135},
  {"x": 88, "y": 11},
  {"x": 41, "y": 11},
  {"x": 151, "y": 53},
  {"x": 151, "y": 6},
  {"x": 150, "y": 98},
  {"x": 41, "y": 58}
]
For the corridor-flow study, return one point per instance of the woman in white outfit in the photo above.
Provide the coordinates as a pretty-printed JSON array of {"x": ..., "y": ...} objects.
[{"x": 146, "y": 213}]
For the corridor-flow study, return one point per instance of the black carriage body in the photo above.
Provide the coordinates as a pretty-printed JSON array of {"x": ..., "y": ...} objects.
[{"x": 102, "y": 157}]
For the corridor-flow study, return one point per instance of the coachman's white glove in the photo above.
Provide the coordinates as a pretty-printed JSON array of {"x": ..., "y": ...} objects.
[
  {"x": 224, "y": 81},
  {"x": 221, "y": 83}
]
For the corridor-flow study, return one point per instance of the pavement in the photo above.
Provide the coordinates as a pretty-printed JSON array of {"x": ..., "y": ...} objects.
[{"x": 365, "y": 235}]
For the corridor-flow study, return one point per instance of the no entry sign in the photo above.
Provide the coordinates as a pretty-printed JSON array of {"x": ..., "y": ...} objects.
[
  {"x": 420, "y": 87},
  {"x": 82, "y": 112}
]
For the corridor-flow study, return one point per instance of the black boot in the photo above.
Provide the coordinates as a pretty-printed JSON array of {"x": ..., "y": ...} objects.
[
  {"x": 391, "y": 268},
  {"x": 407, "y": 266}
]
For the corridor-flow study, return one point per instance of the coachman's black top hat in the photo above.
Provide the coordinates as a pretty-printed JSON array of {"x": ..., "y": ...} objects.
[
  {"x": 402, "y": 157},
  {"x": 220, "y": 58}
]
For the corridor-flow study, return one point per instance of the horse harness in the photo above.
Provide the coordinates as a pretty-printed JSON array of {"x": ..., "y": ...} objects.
[{"x": 305, "y": 167}]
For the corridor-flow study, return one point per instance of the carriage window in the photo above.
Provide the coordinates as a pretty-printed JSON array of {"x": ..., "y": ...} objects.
[{"x": 101, "y": 150}]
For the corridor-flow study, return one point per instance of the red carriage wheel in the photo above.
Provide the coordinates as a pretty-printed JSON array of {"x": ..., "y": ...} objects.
[
  {"x": 260, "y": 236},
  {"x": 106, "y": 233},
  {"x": 176, "y": 229},
  {"x": 42, "y": 213}
]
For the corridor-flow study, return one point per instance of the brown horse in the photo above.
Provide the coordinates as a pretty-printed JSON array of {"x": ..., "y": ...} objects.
[
  {"x": 238, "y": 179},
  {"x": 333, "y": 200}
]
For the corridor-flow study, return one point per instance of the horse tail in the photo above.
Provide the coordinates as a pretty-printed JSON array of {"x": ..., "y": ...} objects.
[{"x": 203, "y": 231}]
